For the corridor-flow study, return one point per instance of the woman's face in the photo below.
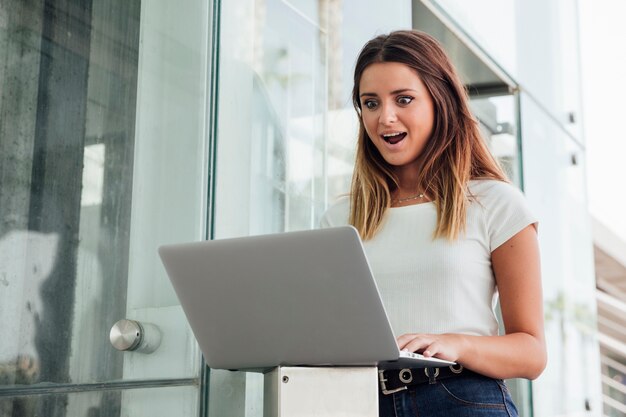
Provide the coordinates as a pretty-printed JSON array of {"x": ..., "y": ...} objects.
[{"x": 397, "y": 111}]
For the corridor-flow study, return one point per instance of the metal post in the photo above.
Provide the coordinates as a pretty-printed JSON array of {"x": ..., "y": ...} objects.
[{"x": 321, "y": 392}]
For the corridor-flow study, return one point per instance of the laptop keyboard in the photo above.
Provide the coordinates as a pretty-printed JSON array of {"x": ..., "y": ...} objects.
[{"x": 411, "y": 355}]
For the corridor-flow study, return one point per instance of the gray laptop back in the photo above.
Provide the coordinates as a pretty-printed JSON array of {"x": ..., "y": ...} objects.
[{"x": 298, "y": 298}]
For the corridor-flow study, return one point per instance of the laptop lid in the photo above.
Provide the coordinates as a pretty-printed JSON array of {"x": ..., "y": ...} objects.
[{"x": 297, "y": 298}]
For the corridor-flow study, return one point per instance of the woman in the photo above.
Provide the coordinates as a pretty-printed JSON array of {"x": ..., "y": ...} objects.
[{"x": 444, "y": 232}]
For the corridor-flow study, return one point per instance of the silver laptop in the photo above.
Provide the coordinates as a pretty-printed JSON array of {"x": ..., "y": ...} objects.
[{"x": 298, "y": 298}]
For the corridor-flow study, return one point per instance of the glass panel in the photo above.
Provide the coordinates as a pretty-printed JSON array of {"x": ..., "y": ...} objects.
[
  {"x": 490, "y": 23},
  {"x": 498, "y": 123},
  {"x": 554, "y": 186},
  {"x": 545, "y": 60},
  {"x": 102, "y": 159},
  {"x": 170, "y": 176},
  {"x": 153, "y": 402},
  {"x": 67, "y": 152},
  {"x": 286, "y": 126}
]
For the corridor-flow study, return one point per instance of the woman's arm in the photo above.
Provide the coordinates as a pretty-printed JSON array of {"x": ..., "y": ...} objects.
[{"x": 521, "y": 352}]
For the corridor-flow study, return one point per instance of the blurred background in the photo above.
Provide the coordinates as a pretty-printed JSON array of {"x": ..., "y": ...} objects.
[
  {"x": 603, "y": 61},
  {"x": 127, "y": 124}
]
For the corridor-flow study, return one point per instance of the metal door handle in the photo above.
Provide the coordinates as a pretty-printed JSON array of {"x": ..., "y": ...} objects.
[{"x": 131, "y": 335}]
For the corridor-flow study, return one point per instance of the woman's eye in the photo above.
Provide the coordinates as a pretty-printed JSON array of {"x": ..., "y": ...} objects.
[
  {"x": 370, "y": 104},
  {"x": 405, "y": 100}
]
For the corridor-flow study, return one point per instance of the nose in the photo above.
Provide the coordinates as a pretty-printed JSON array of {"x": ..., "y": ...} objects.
[{"x": 387, "y": 114}]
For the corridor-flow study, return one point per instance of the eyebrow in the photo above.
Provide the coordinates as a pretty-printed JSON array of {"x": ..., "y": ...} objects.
[{"x": 402, "y": 90}]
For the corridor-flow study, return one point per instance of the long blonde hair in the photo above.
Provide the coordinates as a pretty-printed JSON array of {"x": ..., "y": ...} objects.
[{"x": 454, "y": 154}]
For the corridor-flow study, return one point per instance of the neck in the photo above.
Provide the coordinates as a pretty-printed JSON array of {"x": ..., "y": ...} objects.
[{"x": 407, "y": 177}]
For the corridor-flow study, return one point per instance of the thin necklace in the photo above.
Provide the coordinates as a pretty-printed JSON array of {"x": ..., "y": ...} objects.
[{"x": 415, "y": 197}]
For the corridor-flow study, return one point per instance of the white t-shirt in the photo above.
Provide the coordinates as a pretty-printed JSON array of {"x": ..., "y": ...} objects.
[{"x": 438, "y": 286}]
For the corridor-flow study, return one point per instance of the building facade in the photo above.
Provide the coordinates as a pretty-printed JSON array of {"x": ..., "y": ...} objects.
[{"x": 125, "y": 125}]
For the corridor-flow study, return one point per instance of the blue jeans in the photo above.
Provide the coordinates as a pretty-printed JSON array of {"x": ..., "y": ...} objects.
[{"x": 467, "y": 395}]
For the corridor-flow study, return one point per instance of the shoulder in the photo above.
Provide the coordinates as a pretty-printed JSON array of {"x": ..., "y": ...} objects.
[
  {"x": 485, "y": 190},
  {"x": 337, "y": 214},
  {"x": 505, "y": 209},
  {"x": 493, "y": 194}
]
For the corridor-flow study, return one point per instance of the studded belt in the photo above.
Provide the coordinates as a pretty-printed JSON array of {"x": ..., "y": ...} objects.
[{"x": 395, "y": 380}]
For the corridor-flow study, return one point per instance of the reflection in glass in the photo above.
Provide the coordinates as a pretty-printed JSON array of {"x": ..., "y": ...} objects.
[
  {"x": 67, "y": 149},
  {"x": 498, "y": 124},
  {"x": 153, "y": 402},
  {"x": 289, "y": 101},
  {"x": 95, "y": 131},
  {"x": 97, "y": 128}
]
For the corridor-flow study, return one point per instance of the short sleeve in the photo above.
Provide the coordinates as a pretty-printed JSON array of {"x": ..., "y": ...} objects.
[
  {"x": 337, "y": 214},
  {"x": 507, "y": 212}
]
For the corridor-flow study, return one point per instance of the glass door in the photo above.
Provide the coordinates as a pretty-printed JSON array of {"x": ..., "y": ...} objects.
[{"x": 103, "y": 157}]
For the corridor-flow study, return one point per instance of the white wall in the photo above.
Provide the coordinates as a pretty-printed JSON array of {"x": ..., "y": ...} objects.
[{"x": 604, "y": 68}]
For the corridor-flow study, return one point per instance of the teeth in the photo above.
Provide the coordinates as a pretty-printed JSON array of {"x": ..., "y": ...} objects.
[{"x": 389, "y": 135}]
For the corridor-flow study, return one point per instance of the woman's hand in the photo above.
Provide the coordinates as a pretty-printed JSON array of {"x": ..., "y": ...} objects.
[{"x": 447, "y": 346}]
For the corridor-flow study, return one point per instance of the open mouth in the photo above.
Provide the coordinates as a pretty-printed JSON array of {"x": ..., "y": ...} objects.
[{"x": 393, "y": 138}]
